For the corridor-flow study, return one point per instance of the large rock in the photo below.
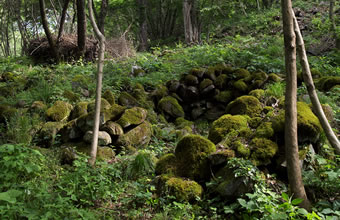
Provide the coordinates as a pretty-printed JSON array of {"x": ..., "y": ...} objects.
[
  {"x": 245, "y": 105},
  {"x": 192, "y": 153},
  {"x": 138, "y": 136},
  {"x": 113, "y": 128},
  {"x": 79, "y": 109},
  {"x": 48, "y": 133},
  {"x": 170, "y": 106},
  {"x": 103, "y": 138},
  {"x": 59, "y": 111},
  {"x": 104, "y": 105},
  {"x": 263, "y": 150},
  {"x": 133, "y": 116},
  {"x": 125, "y": 99}
]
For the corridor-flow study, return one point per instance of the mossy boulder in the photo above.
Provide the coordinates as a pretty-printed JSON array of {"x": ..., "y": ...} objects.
[
  {"x": 137, "y": 137},
  {"x": 183, "y": 190},
  {"x": 60, "y": 111},
  {"x": 166, "y": 164},
  {"x": 198, "y": 72},
  {"x": 245, "y": 105},
  {"x": 108, "y": 96},
  {"x": 133, "y": 116},
  {"x": 227, "y": 124},
  {"x": 190, "y": 80},
  {"x": 170, "y": 106},
  {"x": 70, "y": 131},
  {"x": 263, "y": 150},
  {"x": 265, "y": 130},
  {"x": 205, "y": 84},
  {"x": 38, "y": 106},
  {"x": 274, "y": 78},
  {"x": 71, "y": 96},
  {"x": 241, "y": 74},
  {"x": 221, "y": 81},
  {"x": 257, "y": 93},
  {"x": 241, "y": 86},
  {"x": 160, "y": 92},
  {"x": 125, "y": 99},
  {"x": 48, "y": 133},
  {"x": 103, "y": 138},
  {"x": 104, "y": 105},
  {"x": 224, "y": 96},
  {"x": 182, "y": 122},
  {"x": 309, "y": 127},
  {"x": 113, "y": 128},
  {"x": 79, "y": 109},
  {"x": 221, "y": 157},
  {"x": 115, "y": 112},
  {"x": 242, "y": 150},
  {"x": 260, "y": 75},
  {"x": 192, "y": 153},
  {"x": 327, "y": 82}
]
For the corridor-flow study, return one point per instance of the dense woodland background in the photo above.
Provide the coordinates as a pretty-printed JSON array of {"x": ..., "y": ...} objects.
[{"x": 192, "y": 118}]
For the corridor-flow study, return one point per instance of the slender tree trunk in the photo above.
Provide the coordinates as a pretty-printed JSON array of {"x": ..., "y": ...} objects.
[
  {"x": 14, "y": 40},
  {"x": 291, "y": 140},
  {"x": 62, "y": 20},
  {"x": 22, "y": 30},
  {"x": 187, "y": 21},
  {"x": 102, "y": 15},
  {"x": 307, "y": 77},
  {"x": 47, "y": 31},
  {"x": 81, "y": 19},
  {"x": 101, "y": 39},
  {"x": 143, "y": 31}
]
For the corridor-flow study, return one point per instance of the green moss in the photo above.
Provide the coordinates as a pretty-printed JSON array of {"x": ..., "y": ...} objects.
[
  {"x": 183, "y": 132},
  {"x": 221, "y": 81},
  {"x": 245, "y": 105},
  {"x": 160, "y": 92},
  {"x": 262, "y": 151},
  {"x": 327, "y": 82},
  {"x": 128, "y": 100},
  {"x": 197, "y": 72},
  {"x": 60, "y": 111},
  {"x": 241, "y": 149},
  {"x": 309, "y": 127},
  {"x": 316, "y": 73},
  {"x": 108, "y": 96},
  {"x": 192, "y": 153},
  {"x": 115, "y": 112},
  {"x": 169, "y": 105},
  {"x": 166, "y": 164},
  {"x": 241, "y": 74},
  {"x": 104, "y": 105},
  {"x": 133, "y": 116},
  {"x": 274, "y": 78},
  {"x": 258, "y": 93},
  {"x": 265, "y": 130},
  {"x": 38, "y": 106},
  {"x": 260, "y": 75},
  {"x": 254, "y": 122},
  {"x": 79, "y": 109},
  {"x": 49, "y": 132},
  {"x": 71, "y": 96},
  {"x": 241, "y": 86},
  {"x": 224, "y": 96},
  {"x": 227, "y": 124},
  {"x": 267, "y": 110},
  {"x": 182, "y": 122},
  {"x": 205, "y": 83},
  {"x": 136, "y": 137},
  {"x": 191, "y": 80},
  {"x": 184, "y": 190}
]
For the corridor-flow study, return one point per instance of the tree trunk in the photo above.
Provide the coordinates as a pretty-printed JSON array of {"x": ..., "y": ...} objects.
[
  {"x": 307, "y": 77},
  {"x": 81, "y": 30},
  {"x": 62, "y": 20},
  {"x": 47, "y": 31},
  {"x": 187, "y": 21},
  {"x": 143, "y": 31},
  {"x": 102, "y": 15},
  {"x": 101, "y": 39},
  {"x": 291, "y": 140}
]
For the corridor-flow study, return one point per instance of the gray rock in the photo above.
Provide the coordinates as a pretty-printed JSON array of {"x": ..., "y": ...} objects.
[{"x": 103, "y": 138}]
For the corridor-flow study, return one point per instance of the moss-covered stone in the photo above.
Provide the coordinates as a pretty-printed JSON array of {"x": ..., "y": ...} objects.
[
  {"x": 198, "y": 72},
  {"x": 49, "y": 132},
  {"x": 183, "y": 190},
  {"x": 103, "y": 138},
  {"x": 38, "y": 106},
  {"x": 104, "y": 105},
  {"x": 205, "y": 83},
  {"x": 245, "y": 105},
  {"x": 241, "y": 74},
  {"x": 169, "y": 105},
  {"x": 183, "y": 132},
  {"x": 190, "y": 80},
  {"x": 262, "y": 151},
  {"x": 274, "y": 78},
  {"x": 60, "y": 111},
  {"x": 133, "y": 116},
  {"x": 103, "y": 153},
  {"x": 221, "y": 157},
  {"x": 192, "y": 153},
  {"x": 241, "y": 149},
  {"x": 260, "y": 75},
  {"x": 160, "y": 92},
  {"x": 241, "y": 86},
  {"x": 327, "y": 82},
  {"x": 182, "y": 122},
  {"x": 166, "y": 164},
  {"x": 71, "y": 96},
  {"x": 113, "y": 128},
  {"x": 125, "y": 99},
  {"x": 265, "y": 130},
  {"x": 115, "y": 112},
  {"x": 227, "y": 124},
  {"x": 79, "y": 109},
  {"x": 137, "y": 137},
  {"x": 257, "y": 93},
  {"x": 108, "y": 96},
  {"x": 221, "y": 81},
  {"x": 224, "y": 96}
]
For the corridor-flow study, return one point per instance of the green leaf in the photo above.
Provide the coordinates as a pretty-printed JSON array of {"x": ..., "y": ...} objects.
[
  {"x": 302, "y": 211},
  {"x": 285, "y": 196},
  {"x": 10, "y": 195},
  {"x": 327, "y": 211},
  {"x": 297, "y": 201}
]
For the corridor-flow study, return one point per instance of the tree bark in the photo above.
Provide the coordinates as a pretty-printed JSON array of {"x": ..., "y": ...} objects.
[
  {"x": 101, "y": 39},
  {"x": 187, "y": 21},
  {"x": 307, "y": 77},
  {"x": 81, "y": 30},
  {"x": 47, "y": 31},
  {"x": 143, "y": 31},
  {"x": 291, "y": 140},
  {"x": 102, "y": 15},
  {"x": 62, "y": 20}
]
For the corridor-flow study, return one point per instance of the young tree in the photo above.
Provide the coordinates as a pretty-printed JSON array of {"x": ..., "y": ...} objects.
[
  {"x": 81, "y": 30},
  {"x": 291, "y": 140},
  {"x": 191, "y": 22},
  {"x": 101, "y": 39},
  {"x": 102, "y": 15},
  {"x": 143, "y": 31},
  {"x": 307, "y": 77}
]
